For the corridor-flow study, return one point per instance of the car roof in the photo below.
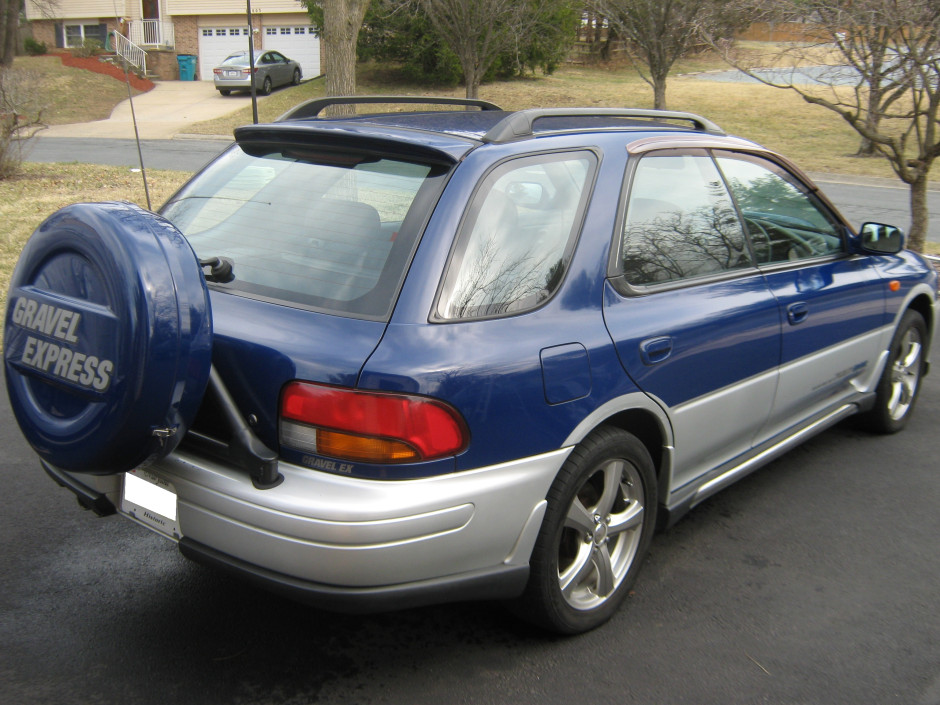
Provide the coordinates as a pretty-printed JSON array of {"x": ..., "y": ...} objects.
[{"x": 449, "y": 134}]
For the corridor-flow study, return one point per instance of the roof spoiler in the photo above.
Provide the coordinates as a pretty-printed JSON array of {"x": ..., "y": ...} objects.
[{"x": 312, "y": 108}]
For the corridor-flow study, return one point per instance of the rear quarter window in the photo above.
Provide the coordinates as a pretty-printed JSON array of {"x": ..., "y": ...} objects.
[{"x": 517, "y": 236}]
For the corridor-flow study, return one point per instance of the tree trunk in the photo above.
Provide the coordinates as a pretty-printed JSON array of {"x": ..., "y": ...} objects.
[
  {"x": 872, "y": 120},
  {"x": 342, "y": 20},
  {"x": 920, "y": 216},
  {"x": 9, "y": 30},
  {"x": 659, "y": 92}
]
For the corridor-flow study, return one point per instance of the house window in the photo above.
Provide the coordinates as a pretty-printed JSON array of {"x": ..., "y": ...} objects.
[
  {"x": 285, "y": 30},
  {"x": 270, "y": 31},
  {"x": 76, "y": 34},
  {"x": 299, "y": 30},
  {"x": 207, "y": 33}
]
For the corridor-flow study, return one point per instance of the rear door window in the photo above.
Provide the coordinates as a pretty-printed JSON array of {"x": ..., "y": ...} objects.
[
  {"x": 680, "y": 223},
  {"x": 330, "y": 232}
]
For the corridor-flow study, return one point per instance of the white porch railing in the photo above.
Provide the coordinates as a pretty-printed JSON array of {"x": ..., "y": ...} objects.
[
  {"x": 129, "y": 51},
  {"x": 152, "y": 33}
]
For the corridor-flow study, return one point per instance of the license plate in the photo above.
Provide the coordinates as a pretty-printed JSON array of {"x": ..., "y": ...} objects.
[
  {"x": 233, "y": 74},
  {"x": 151, "y": 501}
]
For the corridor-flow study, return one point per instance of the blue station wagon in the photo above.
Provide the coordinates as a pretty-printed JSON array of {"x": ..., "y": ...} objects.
[{"x": 383, "y": 360}]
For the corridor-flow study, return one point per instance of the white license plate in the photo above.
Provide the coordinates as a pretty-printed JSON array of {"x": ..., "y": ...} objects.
[
  {"x": 233, "y": 74},
  {"x": 151, "y": 501}
]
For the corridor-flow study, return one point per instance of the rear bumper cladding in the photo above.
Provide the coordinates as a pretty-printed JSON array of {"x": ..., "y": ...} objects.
[
  {"x": 502, "y": 582},
  {"x": 87, "y": 497}
]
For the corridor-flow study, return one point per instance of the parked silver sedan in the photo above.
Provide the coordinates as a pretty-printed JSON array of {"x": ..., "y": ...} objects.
[{"x": 272, "y": 69}]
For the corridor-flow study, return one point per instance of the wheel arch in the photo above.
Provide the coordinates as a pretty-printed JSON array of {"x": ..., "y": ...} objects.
[
  {"x": 924, "y": 305},
  {"x": 640, "y": 416}
]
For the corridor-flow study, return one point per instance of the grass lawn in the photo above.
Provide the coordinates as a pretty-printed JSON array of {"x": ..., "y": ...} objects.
[
  {"x": 71, "y": 94},
  {"x": 815, "y": 138},
  {"x": 41, "y": 189}
]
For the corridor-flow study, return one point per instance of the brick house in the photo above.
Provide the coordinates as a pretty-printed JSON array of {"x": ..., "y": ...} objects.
[{"x": 210, "y": 29}]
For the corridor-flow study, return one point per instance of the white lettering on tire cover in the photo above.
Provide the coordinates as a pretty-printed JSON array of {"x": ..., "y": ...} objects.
[{"x": 55, "y": 358}]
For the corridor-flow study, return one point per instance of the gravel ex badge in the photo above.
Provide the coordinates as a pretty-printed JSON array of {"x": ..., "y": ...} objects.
[{"x": 53, "y": 357}]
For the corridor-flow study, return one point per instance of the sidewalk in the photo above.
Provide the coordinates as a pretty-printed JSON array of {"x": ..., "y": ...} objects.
[{"x": 162, "y": 113}]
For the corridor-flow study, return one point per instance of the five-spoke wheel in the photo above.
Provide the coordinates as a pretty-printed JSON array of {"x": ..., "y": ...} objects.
[
  {"x": 897, "y": 389},
  {"x": 597, "y": 527}
]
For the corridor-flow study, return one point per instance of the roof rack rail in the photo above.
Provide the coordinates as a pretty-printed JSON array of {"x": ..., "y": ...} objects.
[
  {"x": 519, "y": 124},
  {"x": 312, "y": 108}
]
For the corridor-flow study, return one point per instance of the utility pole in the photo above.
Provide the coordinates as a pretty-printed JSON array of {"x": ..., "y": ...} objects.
[{"x": 251, "y": 64}]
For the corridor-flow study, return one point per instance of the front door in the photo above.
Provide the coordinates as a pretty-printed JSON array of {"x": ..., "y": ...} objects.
[
  {"x": 832, "y": 316},
  {"x": 691, "y": 315}
]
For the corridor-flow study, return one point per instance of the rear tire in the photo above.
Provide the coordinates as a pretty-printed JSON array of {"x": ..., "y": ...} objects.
[
  {"x": 225, "y": 91},
  {"x": 597, "y": 529},
  {"x": 899, "y": 385},
  {"x": 266, "y": 86}
]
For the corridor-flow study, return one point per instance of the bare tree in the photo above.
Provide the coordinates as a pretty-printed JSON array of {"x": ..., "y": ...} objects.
[
  {"x": 479, "y": 32},
  {"x": 884, "y": 82},
  {"x": 340, "y": 21},
  {"x": 20, "y": 116},
  {"x": 658, "y": 32}
]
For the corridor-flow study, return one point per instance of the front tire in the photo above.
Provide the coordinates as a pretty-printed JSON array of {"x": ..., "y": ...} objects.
[
  {"x": 597, "y": 529},
  {"x": 899, "y": 385},
  {"x": 296, "y": 79}
]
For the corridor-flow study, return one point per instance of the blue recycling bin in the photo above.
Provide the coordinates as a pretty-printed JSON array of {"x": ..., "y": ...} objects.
[{"x": 187, "y": 64}]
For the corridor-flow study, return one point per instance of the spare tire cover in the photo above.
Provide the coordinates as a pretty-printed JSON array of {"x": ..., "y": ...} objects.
[{"x": 107, "y": 338}]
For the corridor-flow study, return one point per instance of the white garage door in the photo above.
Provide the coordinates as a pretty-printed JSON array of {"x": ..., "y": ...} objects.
[
  {"x": 298, "y": 42},
  {"x": 215, "y": 43}
]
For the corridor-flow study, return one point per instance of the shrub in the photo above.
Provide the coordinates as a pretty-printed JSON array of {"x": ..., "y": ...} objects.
[
  {"x": 34, "y": 48},
  {"x": 89, "y": 47}
]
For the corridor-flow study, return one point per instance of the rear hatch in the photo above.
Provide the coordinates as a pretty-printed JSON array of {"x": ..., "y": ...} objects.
[{"x": 306, "y": 240}]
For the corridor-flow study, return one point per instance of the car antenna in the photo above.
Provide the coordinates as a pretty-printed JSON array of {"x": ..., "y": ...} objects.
[{"x": 130, "y": 98}]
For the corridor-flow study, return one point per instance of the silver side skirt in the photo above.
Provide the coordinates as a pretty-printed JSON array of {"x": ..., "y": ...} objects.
[{"x": 771, "y": 453}]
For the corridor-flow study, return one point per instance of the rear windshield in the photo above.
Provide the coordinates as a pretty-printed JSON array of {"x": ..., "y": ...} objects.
[
  {"x": 328, "y": 232},
  {"x": 236, "y": 60}
]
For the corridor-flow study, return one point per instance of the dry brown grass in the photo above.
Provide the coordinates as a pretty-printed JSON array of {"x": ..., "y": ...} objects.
[
  {"x": 41, "y": 189},
  {"x": 815, "y": 138},
  {"x": 70, "y": 94}
]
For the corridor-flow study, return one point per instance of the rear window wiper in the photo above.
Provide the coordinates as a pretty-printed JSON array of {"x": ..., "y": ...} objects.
[{"x": 220, "y": 269}]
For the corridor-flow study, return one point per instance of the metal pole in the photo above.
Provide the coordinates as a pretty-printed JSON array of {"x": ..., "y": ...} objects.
[
  {"x": 251, "y": 64},
  {"x": 140, "y": 156}
]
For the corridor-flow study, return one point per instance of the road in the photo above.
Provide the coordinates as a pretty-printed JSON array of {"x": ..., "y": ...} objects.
[
  {"x": 858, "y": 199},
  {"x": 811, "y": 582}
]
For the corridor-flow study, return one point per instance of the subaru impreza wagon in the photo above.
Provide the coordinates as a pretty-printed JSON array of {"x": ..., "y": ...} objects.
[{"x": 383, "y": 360}]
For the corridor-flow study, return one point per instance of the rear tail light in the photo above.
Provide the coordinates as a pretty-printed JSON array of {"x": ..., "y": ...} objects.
[
  {"x": 369, "y": 427},
  {"x": 250, "y": 71}
]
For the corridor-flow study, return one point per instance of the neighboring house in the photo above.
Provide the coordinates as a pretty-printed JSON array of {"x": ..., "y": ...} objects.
[{"x": 210, "y": 29}]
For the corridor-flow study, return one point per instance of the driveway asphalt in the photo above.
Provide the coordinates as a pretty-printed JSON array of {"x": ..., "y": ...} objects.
[{"x": 162, "y": 113}]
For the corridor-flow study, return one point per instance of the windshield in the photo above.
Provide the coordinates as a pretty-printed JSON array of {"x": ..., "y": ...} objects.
[{"x": 328, "y": 231}]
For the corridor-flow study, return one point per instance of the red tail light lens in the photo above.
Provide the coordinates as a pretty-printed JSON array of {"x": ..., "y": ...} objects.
[{"x": 370, "y": 427}]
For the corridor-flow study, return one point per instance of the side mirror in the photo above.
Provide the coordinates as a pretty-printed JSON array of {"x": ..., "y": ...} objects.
[{"x": 881, "y": 239}]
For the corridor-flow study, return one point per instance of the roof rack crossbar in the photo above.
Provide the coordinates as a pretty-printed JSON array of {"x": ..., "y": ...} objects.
[
  {"x": 312, "y": 108},
  {"x": 519, "y": 124}
]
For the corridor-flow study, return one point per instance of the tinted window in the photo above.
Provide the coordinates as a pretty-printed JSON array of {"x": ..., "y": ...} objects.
[
  {"x": 785, "y": 222},
  {"x": 302, "y": 228},
  {"x": 516, "y": 240},
  {"x": 680, "y": 222}
]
